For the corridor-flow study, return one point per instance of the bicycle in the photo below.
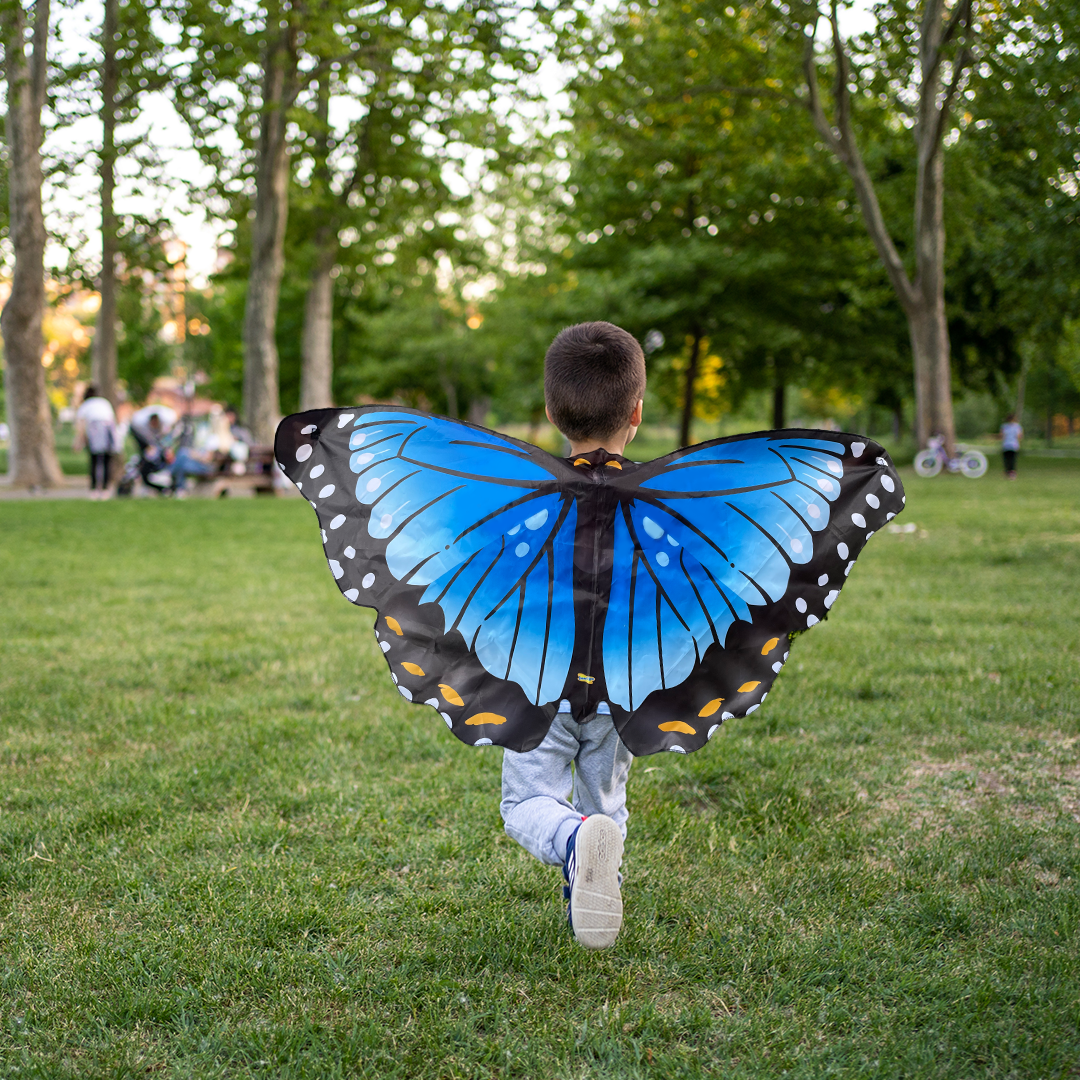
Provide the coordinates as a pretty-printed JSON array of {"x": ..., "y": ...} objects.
[{"x": 968, "y": 462}]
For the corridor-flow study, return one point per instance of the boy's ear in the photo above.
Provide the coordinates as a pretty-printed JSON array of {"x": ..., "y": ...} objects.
[
  {"x": 547, "y": 413},
  {"x": 635, "y": 416}
]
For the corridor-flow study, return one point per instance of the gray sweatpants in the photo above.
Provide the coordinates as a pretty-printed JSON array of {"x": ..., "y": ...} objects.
[{"x": 543, "y": 801}]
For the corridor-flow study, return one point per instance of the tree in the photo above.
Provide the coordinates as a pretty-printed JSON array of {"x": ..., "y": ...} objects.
[
  {"x": 253, "y": 77},
  {"x": 32, "y": 460},
  {"x": 702, "y": 213},
  {"x": 131, "y": 65}
]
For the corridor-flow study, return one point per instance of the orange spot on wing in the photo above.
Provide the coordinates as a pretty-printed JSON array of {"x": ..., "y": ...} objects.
[
  {"x": 413, "y": 669},
  {"x": 582, "y": 461},
  {"x": 451, "y": 694},
  {"x": 711, "y": 707},
  {"x": 485, "y": 718},
  {"x": 769, "y": 645},
  {"x": 615, "y": 465},
  {"x": 747, "y": 687},
  {"x": 678, "y": 725},
  {"x": 394, "y": 625}
]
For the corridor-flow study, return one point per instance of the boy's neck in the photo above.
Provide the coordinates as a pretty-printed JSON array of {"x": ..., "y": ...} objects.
[{"x": 614, "y": 446}]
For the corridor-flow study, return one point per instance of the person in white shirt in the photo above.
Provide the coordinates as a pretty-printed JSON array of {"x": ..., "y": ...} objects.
[
  {"x": 96, "y": 429},
  {"x": 1011, "y": 434}
]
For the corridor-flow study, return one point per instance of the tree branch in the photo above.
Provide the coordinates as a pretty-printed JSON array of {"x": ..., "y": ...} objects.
[{"x": 841, "y": 140}]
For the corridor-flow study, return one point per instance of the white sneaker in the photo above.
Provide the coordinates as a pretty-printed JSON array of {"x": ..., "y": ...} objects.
[{"x": 593, "y": 857}]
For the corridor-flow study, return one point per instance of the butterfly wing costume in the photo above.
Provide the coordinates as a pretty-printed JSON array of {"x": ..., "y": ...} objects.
[{"x": 508, "y": 581}]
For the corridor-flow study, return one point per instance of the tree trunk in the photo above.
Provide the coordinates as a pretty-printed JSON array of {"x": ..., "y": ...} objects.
[
  {"x": 923, "y": 299},
  {"x": 927, "y": 323},
  {"x": 688, "y": 390},
  {"x": 32, "y": 458},
  {"x": 779, "y": 420},
  {"x": 103, "y": 362},
  {"x": 261, "y": 400},
  {"x": 317, "y": 347}
]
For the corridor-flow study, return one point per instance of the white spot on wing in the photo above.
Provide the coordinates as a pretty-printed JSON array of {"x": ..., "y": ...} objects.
[
  {"x": 842, "y": 550},
  {"x": 654, "y": 530},
  {"x": 887, "y": 483},
  {"x": 374, "y": 484},
  {"x": 303, "y": 452},
  {"x": 859, "y": 520},
  {"x": 662, "y": 558},
  {"x": 327, "y": 491},
  {"x": 800, "y": 605},
  {"x": 533, "y": 523},
  {"x": 369, "y": 580},
  {"x": 873, "y": 500},
  {"x": 857, "y": 449},
  {"x": 343, "y": 420},
  {"x": 351, "y": 594},
  {"x": 335, "y": 569},
  {"x": 825, "y": 483},
  {"x": 307, "y": 429},
  {"x": 316, "y": 472},
  {"x": 338, "y": 521},
  {"x": 521, "y": 550}
]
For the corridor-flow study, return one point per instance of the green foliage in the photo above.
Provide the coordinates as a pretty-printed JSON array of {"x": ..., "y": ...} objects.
[{"x": 229, "y": 848}]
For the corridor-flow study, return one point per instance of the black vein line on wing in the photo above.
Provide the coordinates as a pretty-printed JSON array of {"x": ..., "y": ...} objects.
[
  {"x": 798, "y": 515},
  {"x": 517, "y": 629},
  {"x": 716, "y": 585},
  {"x": 547, "y": 544},
  {"x": 457, "y": 573},
  {"x": 817, "y": 468},
  {"x": 381, "y": 423},
  {"x": 652, "y": 492},
  {"x": 502, "y": 510},
  {"x": 547, "y": 627},
  {"x": 702, "y": 463},
  {"x": 476, "y": 589},
  {"x": 395, "y": 484},
  {"x": 697, "y": 594},
  {"x": 685, "y": 521},
  {"x": 656, "y": 581},
  {"x": 416, "y": 513},
  {"x": 366, "y": 449},
  {"x": 660, "y": 638},
  {"x": 513, "y": 451},
  {"x": 813, "y": 449}
]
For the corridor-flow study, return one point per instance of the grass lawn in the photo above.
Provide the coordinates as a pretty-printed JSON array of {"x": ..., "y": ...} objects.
[{"x": 229, "y": 848}]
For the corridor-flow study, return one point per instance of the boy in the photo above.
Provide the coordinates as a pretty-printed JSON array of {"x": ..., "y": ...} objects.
[{"x": 565, "y": 801}]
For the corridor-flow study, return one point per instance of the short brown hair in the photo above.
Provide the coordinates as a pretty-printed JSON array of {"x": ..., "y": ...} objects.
[{"x": 594, "y": 375}]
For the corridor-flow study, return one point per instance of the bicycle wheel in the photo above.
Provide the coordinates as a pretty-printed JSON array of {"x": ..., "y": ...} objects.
[
  {"x": 927, "y": 463},
  {"x": 973, "y": 464}
]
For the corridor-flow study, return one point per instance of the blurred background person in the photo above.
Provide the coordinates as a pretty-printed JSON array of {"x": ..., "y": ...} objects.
[
  {"x": 1011, "y": 434},
  {"x": 96, "y": 429}
]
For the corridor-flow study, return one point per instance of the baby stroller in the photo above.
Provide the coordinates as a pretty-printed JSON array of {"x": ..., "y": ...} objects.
[{"x": 150, "y": 464}]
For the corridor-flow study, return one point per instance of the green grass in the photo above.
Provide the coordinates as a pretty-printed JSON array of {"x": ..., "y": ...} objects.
[{"x": 228, "y": 848}]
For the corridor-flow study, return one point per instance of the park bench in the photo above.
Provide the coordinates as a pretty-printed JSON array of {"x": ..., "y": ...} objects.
[{"x": 255, "y": 476}]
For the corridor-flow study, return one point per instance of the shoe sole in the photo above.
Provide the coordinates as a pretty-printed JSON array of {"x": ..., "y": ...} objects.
[{"x": 595, "y": 900}]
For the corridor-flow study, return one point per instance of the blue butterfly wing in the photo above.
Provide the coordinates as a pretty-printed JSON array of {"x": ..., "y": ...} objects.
[
  {"x": 463, "y": 541},
  {"x": 721, "y": 553}
]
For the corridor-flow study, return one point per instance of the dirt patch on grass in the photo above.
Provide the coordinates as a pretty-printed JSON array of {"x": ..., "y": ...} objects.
[{"x": 1035, "y": 787}]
